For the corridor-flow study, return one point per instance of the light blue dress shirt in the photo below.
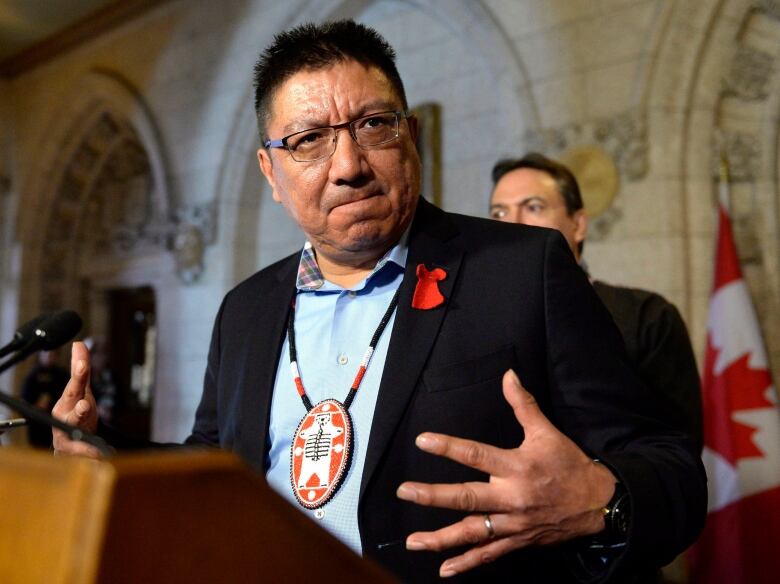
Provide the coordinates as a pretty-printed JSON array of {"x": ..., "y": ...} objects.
[{"x": 333, "y": 328}]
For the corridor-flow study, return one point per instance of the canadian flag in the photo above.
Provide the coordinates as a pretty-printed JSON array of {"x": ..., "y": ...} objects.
[{"x": 739, "y": 544}]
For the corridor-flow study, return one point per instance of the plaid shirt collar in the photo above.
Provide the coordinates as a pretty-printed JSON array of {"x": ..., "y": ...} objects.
[{"x": 310, "y": 277}]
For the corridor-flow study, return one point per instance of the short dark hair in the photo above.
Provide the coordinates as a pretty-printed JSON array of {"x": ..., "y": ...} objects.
[
  {"x": 313, "y": 47},
  {"x": 564, "y": 179}
]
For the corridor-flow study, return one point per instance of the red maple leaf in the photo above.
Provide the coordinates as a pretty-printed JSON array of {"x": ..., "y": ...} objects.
[{"x": 736, "y": 388}]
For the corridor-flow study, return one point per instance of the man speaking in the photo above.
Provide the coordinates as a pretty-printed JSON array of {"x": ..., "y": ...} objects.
[{"x": 394, "y": 345}]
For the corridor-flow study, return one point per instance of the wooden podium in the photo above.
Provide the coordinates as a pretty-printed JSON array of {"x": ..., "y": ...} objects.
[{"x": 164, "y": 517}]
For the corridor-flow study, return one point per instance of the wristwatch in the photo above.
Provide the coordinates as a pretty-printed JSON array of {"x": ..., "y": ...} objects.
[
  {"x": 591, "y": 561},
  {"x": 617, "y": 515}
]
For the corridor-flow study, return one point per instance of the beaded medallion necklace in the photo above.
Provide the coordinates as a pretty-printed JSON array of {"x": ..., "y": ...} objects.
[{"x": 321, "y": 450}]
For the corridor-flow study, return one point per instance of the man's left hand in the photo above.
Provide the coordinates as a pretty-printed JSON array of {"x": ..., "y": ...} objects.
[{"x": 544, "y": 492}]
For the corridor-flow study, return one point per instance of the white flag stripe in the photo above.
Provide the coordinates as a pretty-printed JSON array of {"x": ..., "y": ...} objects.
[
  {"x": 724, "y": 195},
  {"x": 722, "y": 480},
  {"x": 733, "y": 327}
]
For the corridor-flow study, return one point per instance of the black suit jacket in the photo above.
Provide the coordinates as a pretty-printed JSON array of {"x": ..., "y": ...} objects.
[
  {"x": 657, "y": 344},
  {"x": 514, "y": 298}
]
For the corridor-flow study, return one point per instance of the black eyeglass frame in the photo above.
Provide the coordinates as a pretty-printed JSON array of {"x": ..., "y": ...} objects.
[{"x": 350, "y": 125}]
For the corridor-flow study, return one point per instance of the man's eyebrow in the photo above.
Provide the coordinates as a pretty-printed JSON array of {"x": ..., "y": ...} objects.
[
  {"x": 373, "y": 107},
  {"x": 313, "y": 122},
  {"x": 303, "y": 124},
  {"x": 521, "y": 203}
]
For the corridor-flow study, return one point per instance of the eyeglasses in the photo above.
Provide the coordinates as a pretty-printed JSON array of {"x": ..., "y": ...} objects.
[{"x": 320, "y": 143}]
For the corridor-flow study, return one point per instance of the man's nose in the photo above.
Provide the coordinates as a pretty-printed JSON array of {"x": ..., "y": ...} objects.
[
  {"x": 348, "y": 161},
  {"x": 519, "y": 216}
]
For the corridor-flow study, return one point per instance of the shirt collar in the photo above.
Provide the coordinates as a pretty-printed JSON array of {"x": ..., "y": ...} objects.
[{"x": 310, "y": 277}]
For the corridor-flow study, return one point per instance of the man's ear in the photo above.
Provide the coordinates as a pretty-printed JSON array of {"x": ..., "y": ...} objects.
[
  {"x": 267, "y": 168},
  {"x": 581, "y": 230}
]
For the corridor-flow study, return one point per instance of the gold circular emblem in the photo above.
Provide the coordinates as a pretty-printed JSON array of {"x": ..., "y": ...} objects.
[{"x": 596, "y": 174}]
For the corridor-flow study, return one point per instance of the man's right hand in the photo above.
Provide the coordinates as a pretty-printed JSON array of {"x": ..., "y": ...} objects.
[{"x": 77, "y": 406}]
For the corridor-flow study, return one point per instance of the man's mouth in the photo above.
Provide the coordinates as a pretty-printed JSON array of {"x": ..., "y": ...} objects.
[{"x": 353, "y": 199}]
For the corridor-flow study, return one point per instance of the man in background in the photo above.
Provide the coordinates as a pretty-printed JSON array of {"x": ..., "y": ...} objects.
[
  {"x": 535, "y": 190},
  {"x": 42, "y": 388}
]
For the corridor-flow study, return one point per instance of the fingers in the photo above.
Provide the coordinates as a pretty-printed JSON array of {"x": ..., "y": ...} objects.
[
  {"x": 81, "y": 414},
  {"x": 470, "y": 497},
  {"x": 78, "y": 352},
  {"x": 78, "y": 385},
  {"x": 64, "y": 446},
  {"x": 470, "y": 530},
  {"x": 477, "y": 556},
  {"x": 523, "y": 404},
  {"x": 484, "y": 457},
  {"x": 77, "y": 405},
  {"x": 80, "y": 364}
]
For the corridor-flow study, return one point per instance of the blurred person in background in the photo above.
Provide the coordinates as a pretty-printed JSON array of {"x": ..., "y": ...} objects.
[
  {"x": 42, "y": 388},
  {"x": 535, "y": 190}
]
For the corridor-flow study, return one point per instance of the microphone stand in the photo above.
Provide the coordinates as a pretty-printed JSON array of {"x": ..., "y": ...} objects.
[{"x": 32, "y": 413}]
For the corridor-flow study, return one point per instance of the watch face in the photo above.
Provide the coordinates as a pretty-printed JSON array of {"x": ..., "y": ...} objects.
[{"x": 620, "y": 516}]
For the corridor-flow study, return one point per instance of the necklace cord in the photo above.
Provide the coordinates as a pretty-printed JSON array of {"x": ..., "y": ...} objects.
[{"x": 363, "y": 365}]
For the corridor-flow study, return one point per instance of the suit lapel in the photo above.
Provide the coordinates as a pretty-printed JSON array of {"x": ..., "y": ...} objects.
[
  {"x": 414, "y": 331},
  {"x": 263, "y": 347}
]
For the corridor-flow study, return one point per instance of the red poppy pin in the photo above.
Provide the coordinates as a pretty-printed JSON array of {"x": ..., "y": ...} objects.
[{"x": 426, "y": 293}]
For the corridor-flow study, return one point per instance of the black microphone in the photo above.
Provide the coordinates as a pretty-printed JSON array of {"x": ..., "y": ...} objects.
[
  {"x": 32, "y": 413},
  {"x": 23, "y": 334},
  {"x": 12, "y": 423},
  {"x": 54, "y": 330}
]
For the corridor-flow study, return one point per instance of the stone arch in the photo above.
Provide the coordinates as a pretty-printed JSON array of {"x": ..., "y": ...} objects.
[
  {"x": 716, "y": 88},
  {"x": 103, "y": 206},
  {"x": 98, "y": 212},
  {"x": 238, "y": 200},
  {"x": 98, "y": 156},
  {"x": 676, "y": 120},
  {"x": 747, "y": 119}
]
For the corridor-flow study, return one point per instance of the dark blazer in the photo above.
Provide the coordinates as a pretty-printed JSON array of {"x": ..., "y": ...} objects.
[
  {"x": 658, "y": 345},
  {"x": 514, "y": 298}
]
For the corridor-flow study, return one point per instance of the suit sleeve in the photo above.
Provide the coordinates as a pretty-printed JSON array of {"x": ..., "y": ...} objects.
[
  {"x": 667, "y": 363},
  {"x": 205, "y": 431},
  {"x": 599, "y": 402}
]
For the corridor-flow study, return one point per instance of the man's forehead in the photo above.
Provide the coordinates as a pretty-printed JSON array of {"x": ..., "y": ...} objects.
[
  {"x": 525, "y": 183},
  {"x": 311, "y": 95},
  {"x": 530, "y": 175}
]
